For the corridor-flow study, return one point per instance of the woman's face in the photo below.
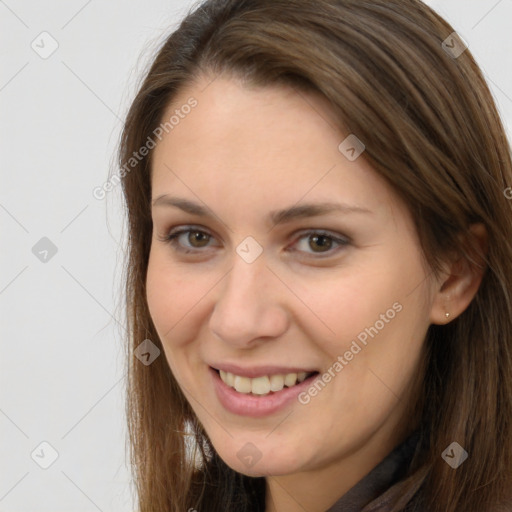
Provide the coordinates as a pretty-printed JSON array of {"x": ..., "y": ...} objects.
[{"x": 299, "y": 259}]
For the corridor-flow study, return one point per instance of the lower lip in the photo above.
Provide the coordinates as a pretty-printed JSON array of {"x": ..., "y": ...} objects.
[{"x": 246, "y": 404}]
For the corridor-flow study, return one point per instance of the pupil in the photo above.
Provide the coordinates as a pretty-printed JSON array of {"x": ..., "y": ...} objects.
[
  {"x": 198, "y": 237},
  {"x": 318, "y": 239}
]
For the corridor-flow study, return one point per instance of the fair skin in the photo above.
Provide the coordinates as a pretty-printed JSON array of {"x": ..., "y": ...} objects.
[{"x": 242, "y": 153}]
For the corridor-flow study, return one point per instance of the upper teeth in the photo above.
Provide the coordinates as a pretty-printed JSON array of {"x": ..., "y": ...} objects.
[{"x": 261, "y": 385}]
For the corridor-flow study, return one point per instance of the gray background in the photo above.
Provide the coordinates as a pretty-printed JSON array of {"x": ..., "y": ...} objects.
[{"x": 61, "y": 326}]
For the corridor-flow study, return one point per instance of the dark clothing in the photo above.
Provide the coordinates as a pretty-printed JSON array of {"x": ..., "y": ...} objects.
[{"x": 374, "y": 492}]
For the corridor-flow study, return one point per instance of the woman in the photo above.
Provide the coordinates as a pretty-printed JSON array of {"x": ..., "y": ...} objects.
[{"x": 320, "y": 264}]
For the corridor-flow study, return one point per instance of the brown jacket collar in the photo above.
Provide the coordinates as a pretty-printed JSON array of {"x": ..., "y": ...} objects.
[{"x": 379, "y": 488}]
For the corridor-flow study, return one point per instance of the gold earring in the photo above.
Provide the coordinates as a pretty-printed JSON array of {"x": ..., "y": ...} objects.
[{"x": 447, "y": 315}]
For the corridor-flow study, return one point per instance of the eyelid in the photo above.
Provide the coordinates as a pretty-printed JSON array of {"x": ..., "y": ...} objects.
[
  {"x": 340, "y": 239},
  {"x": 337, "y": 238},
  {"x": 177, "y": 231}
]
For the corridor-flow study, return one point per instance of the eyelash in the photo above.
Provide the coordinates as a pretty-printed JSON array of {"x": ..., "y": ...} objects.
[{"x": 172, "y": 236}]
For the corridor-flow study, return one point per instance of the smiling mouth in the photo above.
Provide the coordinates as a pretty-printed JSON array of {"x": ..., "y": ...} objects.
[{"x": 264, "y": 385}]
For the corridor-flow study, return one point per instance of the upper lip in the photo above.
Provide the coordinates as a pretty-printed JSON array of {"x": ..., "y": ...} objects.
[{"x": 261, "y": 370}]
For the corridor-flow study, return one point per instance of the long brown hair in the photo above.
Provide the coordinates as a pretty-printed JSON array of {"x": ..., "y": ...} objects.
[{"x": 430, "y": 128}]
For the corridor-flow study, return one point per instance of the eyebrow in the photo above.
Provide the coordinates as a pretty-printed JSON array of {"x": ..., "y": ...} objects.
[{"x": 276, "y": 217}]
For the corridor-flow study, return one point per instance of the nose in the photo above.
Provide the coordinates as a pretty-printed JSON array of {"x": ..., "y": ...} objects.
[{"x": 249, "y": 304}]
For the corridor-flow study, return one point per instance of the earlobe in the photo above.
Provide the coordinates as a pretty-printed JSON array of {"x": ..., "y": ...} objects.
[{"x": 462, "y": 279}]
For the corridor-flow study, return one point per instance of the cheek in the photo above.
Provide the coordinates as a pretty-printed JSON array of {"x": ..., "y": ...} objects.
[
  {"x": 173, "y": 300},
  {"x": 169, "y": 295},
  {"x": 379, "y": 305},
  {"x": 341, "y": 307},
  {"x": 161, "y": 293},
  {"x": 175, "y": 295}
]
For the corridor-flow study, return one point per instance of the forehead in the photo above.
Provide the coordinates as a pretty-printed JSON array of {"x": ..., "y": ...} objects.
[{"x": 262, "y": 146}]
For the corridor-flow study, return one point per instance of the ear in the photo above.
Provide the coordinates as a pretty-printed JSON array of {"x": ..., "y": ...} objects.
[{"x": 462, "y": 277}]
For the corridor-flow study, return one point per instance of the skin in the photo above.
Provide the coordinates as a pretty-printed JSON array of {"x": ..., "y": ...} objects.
[{"x": 299, "y": 307}]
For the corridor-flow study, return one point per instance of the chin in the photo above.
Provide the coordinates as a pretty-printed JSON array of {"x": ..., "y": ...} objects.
[{"x": 252, "y": 462}]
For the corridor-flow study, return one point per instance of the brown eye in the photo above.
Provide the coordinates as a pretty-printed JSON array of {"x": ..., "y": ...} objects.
[
  {"x": 320, "y": 243},
  {"x": 198, "y": 238},
  {"x": 324, "y": 243},
  {"x": 188, "y": 240}
]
